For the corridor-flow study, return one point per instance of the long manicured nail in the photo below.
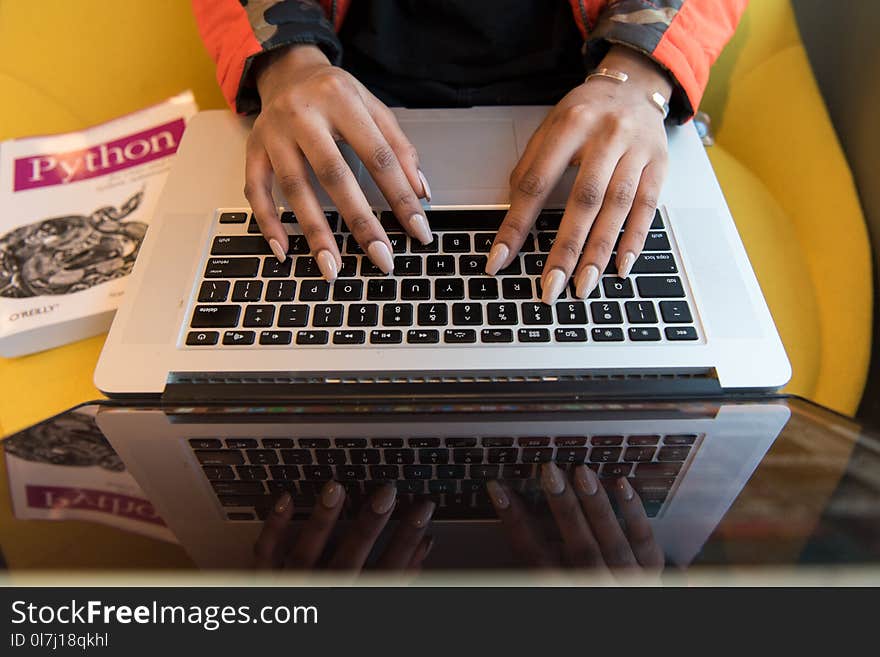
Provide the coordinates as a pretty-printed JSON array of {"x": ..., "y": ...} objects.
[
  {"x": 552, "y": 285},
  {"x": 282, "y": 502},
  {"x": 380, "y": 254},
  {"x": 426, "y": 188},
  {"x": 383, "y": 499},
  {"x": 275, "y": 245},
  {"x": 585, "y": 480},
  {"x": 331, "y": 495},
  {"x": 327, "y": 265},
  {"x": 625, "y": 264},
  {"x": 626, "y": 488},
  {"x": 552, "y": 479},
  {"x": 497, "y": 257},
  {"x": 498, "y": 495},
  {"x": 424, "y": 515},
  {"x": 586, "y": 280},
  {"x": 419, "y": 226}
]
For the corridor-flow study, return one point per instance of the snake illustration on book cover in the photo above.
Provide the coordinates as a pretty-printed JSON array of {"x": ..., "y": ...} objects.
[{"x": 62, "y": 255}]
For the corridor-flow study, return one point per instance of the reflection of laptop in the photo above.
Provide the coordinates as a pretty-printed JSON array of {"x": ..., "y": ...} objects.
[{"x": 209, "y": 313}]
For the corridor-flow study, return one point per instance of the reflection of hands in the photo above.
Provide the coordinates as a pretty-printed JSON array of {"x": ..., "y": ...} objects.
[
  {"x": 279, "y": 546},
  {"x": 591, "y": 535}
]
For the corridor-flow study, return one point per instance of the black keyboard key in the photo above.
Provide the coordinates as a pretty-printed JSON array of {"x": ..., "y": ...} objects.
[
  {"x": 381, "y": 290},
  {"x": 617, "y": 288},
  {"x": 517, "y": 471},
  {"x": 460, "y": 336},
  {"x": 513, "y": 269},
  {"x": 608, "y": 334},
  {"x": 571, "y": 455},
  {"x": 293, "y": 315},
  {"x": 546, "y": 241},
  {"x": 652, "y": 470},
  {"x": 606, "y": 441},
  {"x": 655, "y": 263},
  {"x": 641, "y": 441},
  {"x": 277, "y": 443},
  {"x": 657, "y": 286},
  {"x": 549, "y": 220},
  {"x": 483, "y": 242},
  {"x": 657, "y": 241},
  {"x": 213, "y": 291},
  {"x": 233, "y": 217},
  {"x": 275, "y": 337},
  {"x": 392, "y": 443},
  {"x": 641, "y": 312},
  {"x": 253, "y": 226},
  {"x": 417, "y": 471},
  {"x": 365, "y": 456},
  {"x": 502, "y": 313},
  {"x": 348, "y": 290},
  {"x": 262, "y": 456},
  {"x": 451, "y": 471},
  {"x": 399, "y": 456},
  {"x": 215, "y": 316},
  {"x": 306, "y": 267},
  {"x": 516, "y": 288},
  {"x": 503, "y": 454},
  {"x": 312, "y": 337},
  {"x": 456, "y": 242},
  {"x": 536, "y": 313},
  {"x": 397, "y": 314},
  {"x": 571, "y": 335},
  {"x": 644, "y": 334},
  {"x": 280, "y": 291},
  {"x": 483, "y": 288},
  {"x": 318, "y": 472},
  {"x": 351, "y": 246},
  {"x": 297, "y": 245},
  {"x": 440, "y": 265},
  {"x": 382, "y": 472},
  {"x": 467, "y": 455},
  {"x": 363, "y": 314},
  {"x": 251, "y": 472},
  {"x": 472, "y": 265},
  {"x": 328, "y": 314},
  {"x": 574, "y": 312},
  {"x": 350, "y": 472},
  {"x": 437, "y": 456},
  {"x": 449, "y": 288},
  {"x": 616, "y": 470},
  {"x": 605, "y": 454},
  {"x": 606, "y": 312},
  {"x": 679, "y": 439},
  {"x": 678, "y": 333},
  {"x": 205, "y": 443},
  {"x": 239, "y": 487},
  {"x": 433, "y": 314},
  {"x": 657, "y": 224},
  {"x": 484, "y": 471},
  {"x": 414, "y": 289},
  {"x": 349, "y": 266},
  {"x": 423, "y": 442},
  {"x": 442, "y": 486},
  {"x": 219, "y": 457},
  {"x": 226, "y": 245},
  {"x": 350, "y": 443},
  {"x": 534, "y": 264},
  {"x": 241, "y": 443},
  {"x": 274, "y": 269},
  {"x": 398, "y": 242},
  {"x": 349, "y": 337},
  {"x": 533, "y": 335},
  {"x": 636, "y": 454},
  {"x": 330, "y": 456},
  {"x": 673, "y": 312},
  {"x": 496, "y": 335},
  {"x": 202, "y": 338},
  {"x": 314, "y": 291},
  {"x": 386, "y": 337},
  {"x": 247, "y": 290},
  {"x": 232, "y": 267},
  {"x": 408, "y": 266},
  {"x": 417, "y": 247},
  {"x": 673, "y": 453},
  {"x": 296, "y": 456},
  {"x": 467, "y": 314},
  {"x": 232, "y": 338},
  {"x": 537, "y": 454},
  {"x": 410, "y": 486},
  {"x": 257, "y": 316},
  {"x": 461, "y": 442},
  {"x": 423, "y": 336},
  {"x": 370, "y": 269}
]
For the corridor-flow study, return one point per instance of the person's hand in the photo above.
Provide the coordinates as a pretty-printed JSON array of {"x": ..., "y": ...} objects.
[
  {"x": 307, "y": 106},
  {"x": 615, "y": 135},
  {"x": 592, "y": 537},
  {"x": 279, "y": 546}
]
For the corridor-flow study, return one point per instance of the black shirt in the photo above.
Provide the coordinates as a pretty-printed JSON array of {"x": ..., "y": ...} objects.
[{"x": 453, "y": 53}]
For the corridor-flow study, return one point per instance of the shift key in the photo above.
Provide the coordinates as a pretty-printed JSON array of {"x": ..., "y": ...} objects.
[
  {"x": 232, "y": 267},
  {"x": 222, "y": 316}
]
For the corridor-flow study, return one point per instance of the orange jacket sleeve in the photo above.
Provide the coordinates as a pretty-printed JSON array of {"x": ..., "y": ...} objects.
[{"x": 684, "y": 36}]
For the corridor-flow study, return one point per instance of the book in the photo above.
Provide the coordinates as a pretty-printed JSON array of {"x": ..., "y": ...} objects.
[{"x": 75, "y": 209}]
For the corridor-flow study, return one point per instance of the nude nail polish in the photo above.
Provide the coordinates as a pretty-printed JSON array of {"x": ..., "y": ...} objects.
[
  {"x": 282, "y": 502},
  {"x": 585, "y": 480},
  {"x": 497, "y": 494},
  {"x": 331, "y": 495},
  {"x": 419, "y": 227},
  {"x": 327, "y": 265},
  {"x": 626, "y": 488},
  {"x": 383, "y": 499},
  {"x": 380, "y": 254},
  {"x": 552, "y": 479},
  {"x": 625, "y": 264},
  {"x": 424, "y": 515},
  {"x": 552, "y": 285},
  {"x": 426, "y": 188},
  {"x": 586, "y": 280},
  {"x": 275, "y": 245},
  {"x": 497, "y": 257}
]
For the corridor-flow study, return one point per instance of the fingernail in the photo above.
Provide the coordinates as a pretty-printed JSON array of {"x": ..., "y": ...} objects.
[
  {"x": 497, "y": 257},
  {"x": 381, "y": 256},
  {"x": 282, "y": 503},
  {"x": 586, "y": 280},
  {"x": 426, "y": 188},
  {"x": 331, "y": 496},
  {"x": 498, "y": 495},
  {"x": 625, "y": 264},
  {"x": 327, "y": 265},
  {"x": 626, "y": 489},
  {"x": 586, "y": 480},
  {"x": 552, "y": 479},
  {"x": 383, "y": 499},
  {"x": 275, "y": 245},
  {"x": 552, "y": 285},
  {"x": 419, "y": 226},
  {"x": 425, "y": 513}
]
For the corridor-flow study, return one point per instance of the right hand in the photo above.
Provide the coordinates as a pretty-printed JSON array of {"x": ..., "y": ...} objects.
[{"x": 307, "y": 106}]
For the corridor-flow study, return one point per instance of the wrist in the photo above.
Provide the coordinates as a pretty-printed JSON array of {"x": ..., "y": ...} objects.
[
  {"x": 641, "y": 70},
  {"x": 282, "y": 64}
]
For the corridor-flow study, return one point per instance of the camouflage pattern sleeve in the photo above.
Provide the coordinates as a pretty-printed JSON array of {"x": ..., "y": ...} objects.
[
  {"x": 237, "y": 32},
  {"x": 684, "y": 36}
]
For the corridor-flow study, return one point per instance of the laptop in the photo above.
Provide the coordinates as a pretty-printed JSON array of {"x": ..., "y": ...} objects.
[{"x": 210, "y": 314}]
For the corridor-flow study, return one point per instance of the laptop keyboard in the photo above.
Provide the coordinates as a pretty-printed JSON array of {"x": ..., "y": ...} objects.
[
  {"x": 437, "y": 295},
  {"x": 247, "y": 474}
]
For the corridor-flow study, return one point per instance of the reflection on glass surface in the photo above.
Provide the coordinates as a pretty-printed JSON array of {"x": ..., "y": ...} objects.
[{"x": 631, "y": 487}]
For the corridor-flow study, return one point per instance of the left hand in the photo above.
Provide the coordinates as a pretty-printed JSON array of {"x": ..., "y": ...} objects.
[{"x": 616, "y": 137}]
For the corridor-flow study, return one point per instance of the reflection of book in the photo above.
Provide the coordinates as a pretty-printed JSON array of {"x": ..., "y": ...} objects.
[
  {"x": 75, "y": 211},
  {"x": 64, "y": 469}
]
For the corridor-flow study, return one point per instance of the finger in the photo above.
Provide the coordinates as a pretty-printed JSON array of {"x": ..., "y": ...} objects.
[
  {"x": 638, "y": 530},
  {"x": 528, "y": 156},
  {"x": 372, "y": 518},
  {"x": 268, "y": 549},
  {"x": 312, "y": 539},
  {"x": 579, "y": 544},
  {"x": 361, "y": 132},
  {"x": 526, "y": 539},
  {"x": 640, "y": 217},
  {"x": 258, "y": 178},
  {"x": 529, "y": 193},
  {"x": 336, "y": 177},
  {"x": 407, "y": 536},
  {"x": 293, "y": 180},
  {"x": 581, "y": 210},
  {"x": 609, "y": 535},
  {"x": 421, "y": 553},
  {"x": 406, "y": 153}
]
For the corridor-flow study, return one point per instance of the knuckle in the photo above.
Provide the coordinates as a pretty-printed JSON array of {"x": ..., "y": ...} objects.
[
  {"x": 647, "y": 199},
  {"x": 514, "y": 225},
  {"x": 312, "y": 230},
  {"x": 636, "y": 235},
  {"x": 601, "y": 245},
  {"x": 382, "y": 157},
  {"x": 531, "y": 184},
  {"x": 402, "y": 200},
  {"x": 617, "y": 124},
  {"x": 576, "y": 115},
  {"x": 333, "y": 83},
  {"x": 622, "y": 193},
  {"x": 588, "y": 194},
  {"x": 332, "y": 173},
  {"x": 568, "y": 248},
  {"x": 291, "y": 184},
  {"x": 361, "y": 224}
]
